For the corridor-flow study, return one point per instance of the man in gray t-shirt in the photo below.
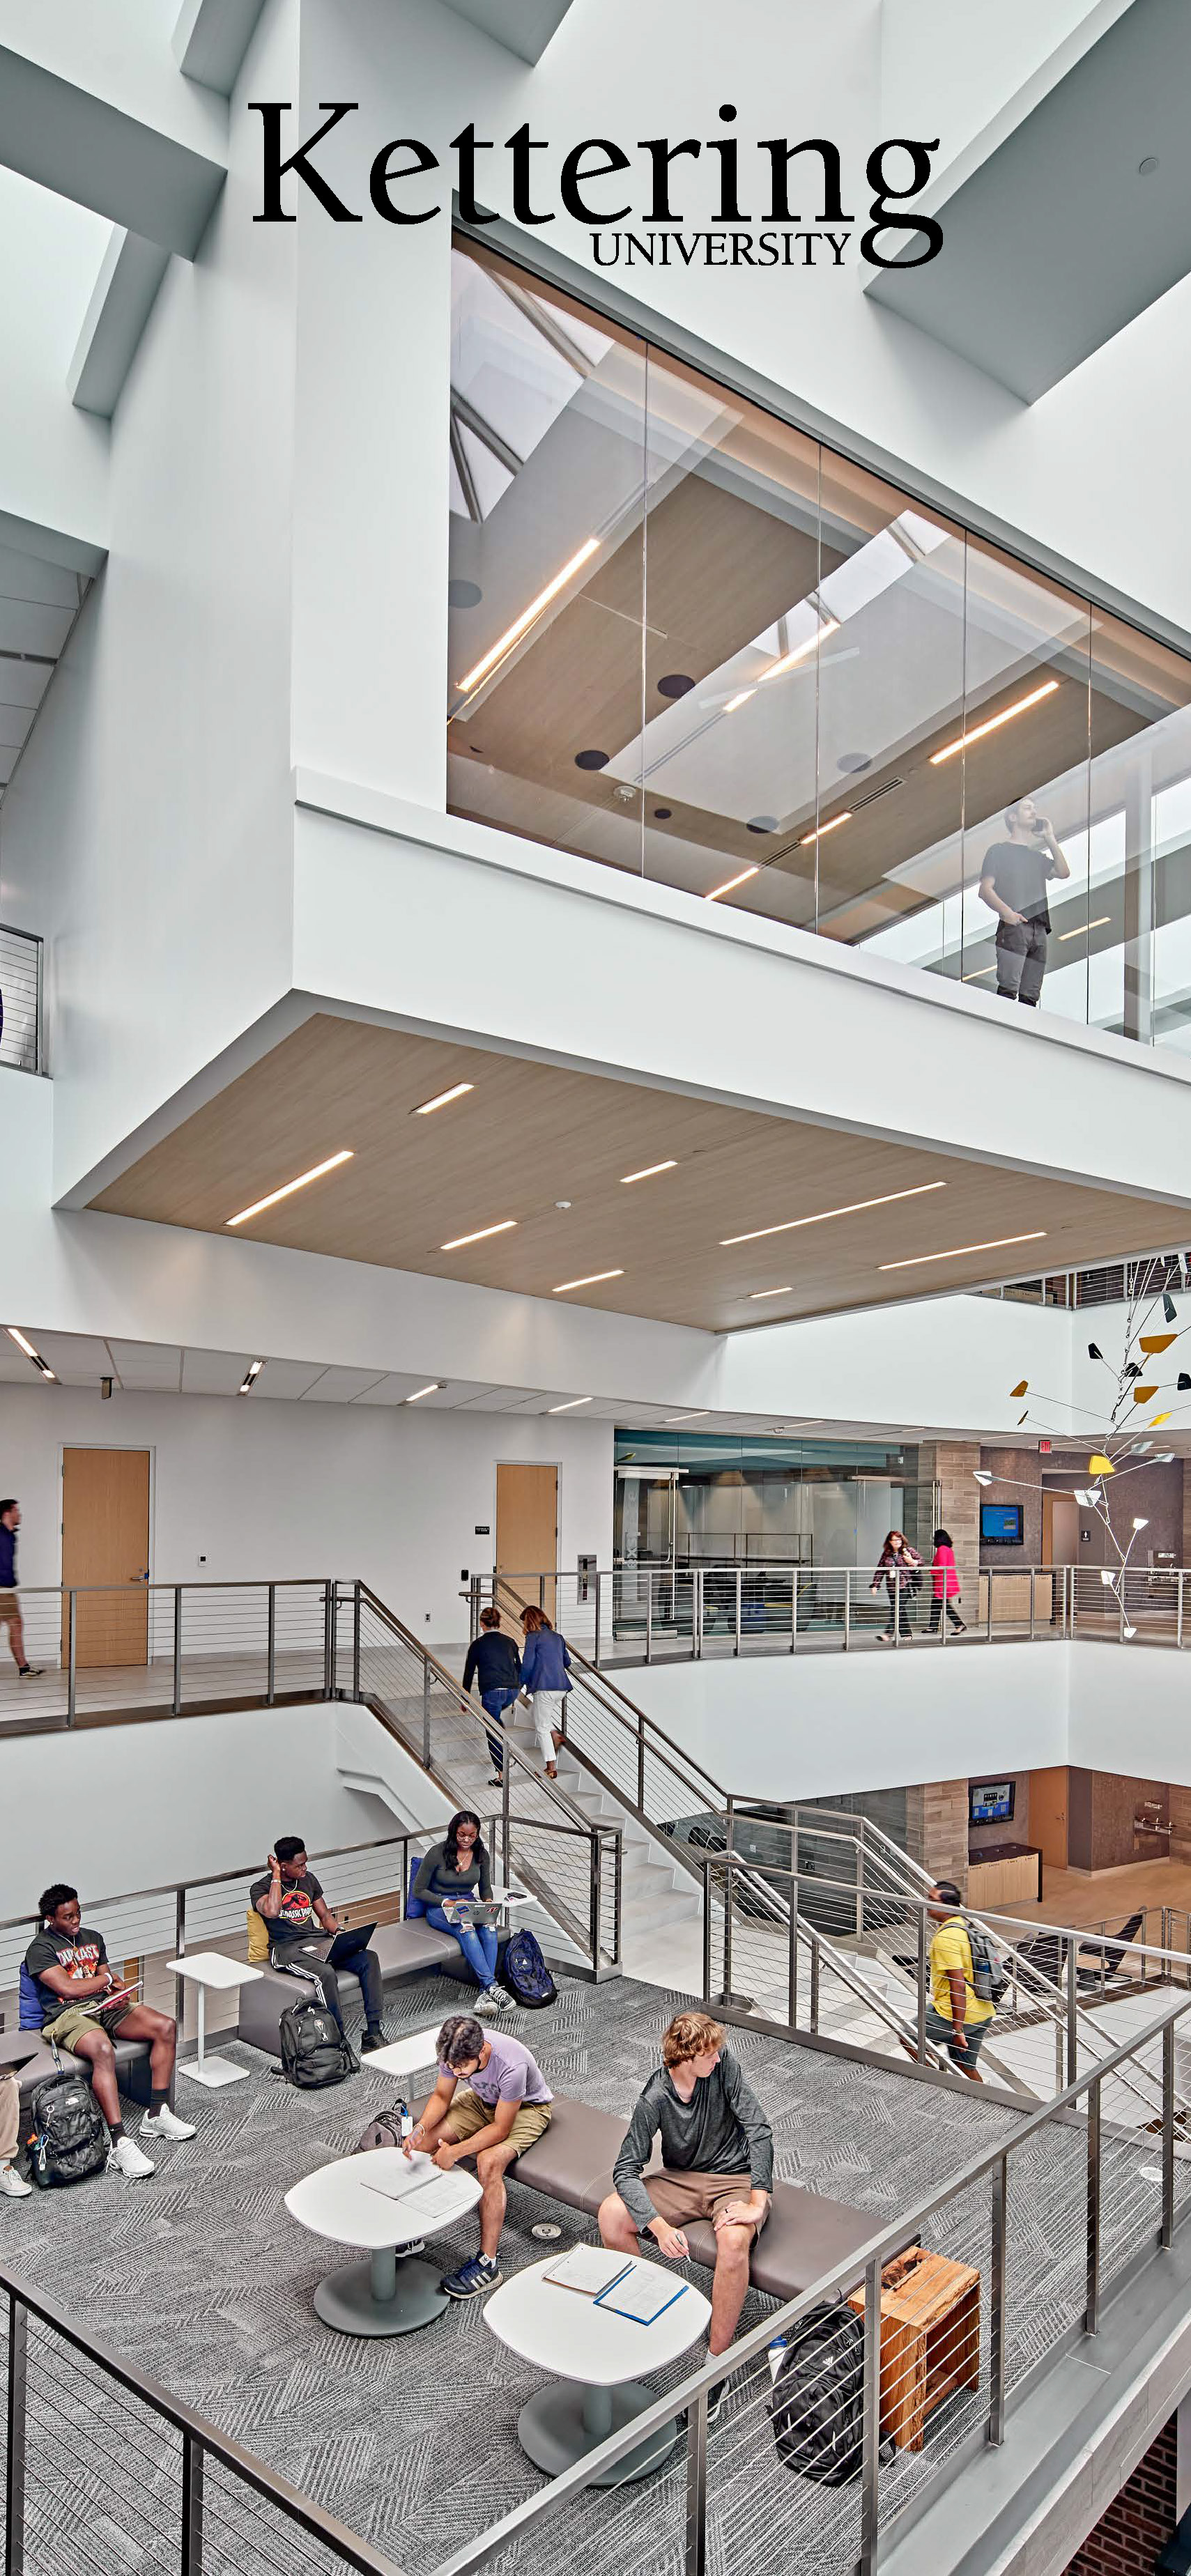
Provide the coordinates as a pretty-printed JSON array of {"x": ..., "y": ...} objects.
[
  {"x": 491, "y": 2101},
  {"x": 717, "y": 2164}
]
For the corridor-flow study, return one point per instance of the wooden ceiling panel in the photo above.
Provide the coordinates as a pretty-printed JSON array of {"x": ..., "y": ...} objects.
[{"x": 529, "y": 1136}]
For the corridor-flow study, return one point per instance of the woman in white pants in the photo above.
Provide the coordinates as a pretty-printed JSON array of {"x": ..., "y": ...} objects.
[{"x": 545, "y": 1681}]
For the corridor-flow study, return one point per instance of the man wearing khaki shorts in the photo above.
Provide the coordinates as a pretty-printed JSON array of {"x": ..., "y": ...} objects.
[
  {"x": 505, "y": 2104},
  {"x": 10, "y": 1608},
  {"x": 717, "y": 2164}
]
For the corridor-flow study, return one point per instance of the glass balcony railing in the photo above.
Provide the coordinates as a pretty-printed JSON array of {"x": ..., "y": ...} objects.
[{"x": 690, "y": 642}]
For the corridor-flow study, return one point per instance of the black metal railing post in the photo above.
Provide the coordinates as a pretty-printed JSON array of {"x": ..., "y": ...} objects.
[
  {"x": 72, "y": 1655},
  {"x": 596, "y": 1858},
  {"x": 330, "y": 1595},
  {"x": 1168, "y": 2135},
  {"x": 192, "y": 2505},
  {"x": 920, "y": 1984},
  {"x": 14, "y": 2488},
  {"x": 707, "y": 1931},
  {"x": 426, "y": 1717},
  {"x": 179, "y": 1923},
  {"x": 177, "y": 1648},
  {"x": 271, "y": 1654},
  {"x": 356, "y": 1638},
  {"x": 695, "y": 2561}
]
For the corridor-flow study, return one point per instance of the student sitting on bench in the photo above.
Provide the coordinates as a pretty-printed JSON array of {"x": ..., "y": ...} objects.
[
  {"x": 67, "y": 1967},
  {"x": 491, "y": 2101},
  {"x": 290, "y": 1902}
]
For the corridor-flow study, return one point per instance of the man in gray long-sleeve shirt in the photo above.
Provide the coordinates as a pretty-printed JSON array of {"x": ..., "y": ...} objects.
[{"x": 717, "y": 2164}]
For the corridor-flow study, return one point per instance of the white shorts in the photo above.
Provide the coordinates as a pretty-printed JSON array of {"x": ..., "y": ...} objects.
[{"x": 547, "y": 1714}]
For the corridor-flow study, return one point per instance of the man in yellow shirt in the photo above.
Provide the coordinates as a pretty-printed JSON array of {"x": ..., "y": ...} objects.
[{"x": 957, "y": 2018}]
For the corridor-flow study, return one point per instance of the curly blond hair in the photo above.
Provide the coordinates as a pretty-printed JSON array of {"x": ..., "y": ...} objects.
[{"x": 691, "y": 2034}]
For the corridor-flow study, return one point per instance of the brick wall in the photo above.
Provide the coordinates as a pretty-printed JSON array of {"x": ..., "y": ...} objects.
[{"x": 1139, "y": 2521}]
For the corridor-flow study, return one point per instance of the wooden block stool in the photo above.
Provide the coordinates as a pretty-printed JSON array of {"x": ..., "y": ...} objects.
[{"x": 930, "y": 2339}]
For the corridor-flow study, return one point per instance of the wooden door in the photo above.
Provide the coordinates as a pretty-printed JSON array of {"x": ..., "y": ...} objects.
[
  {"x": 105, "y": 1540},
  {"x": 1060, "y": 1529},
  {"x": 1048, "y": 1816},
  {"x": 527, "y": 1528}
]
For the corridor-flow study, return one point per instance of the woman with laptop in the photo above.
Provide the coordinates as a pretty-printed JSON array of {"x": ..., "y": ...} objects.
[{"x": 453, "y": 1891}]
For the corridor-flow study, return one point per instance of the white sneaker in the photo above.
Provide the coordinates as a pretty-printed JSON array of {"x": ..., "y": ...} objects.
[
  {"x": 13, "y": 2184},
  {"x": 491, "y": 2001},
  {"x": 166, "y": 2124},
  {"x": 126, "y": 2158}
]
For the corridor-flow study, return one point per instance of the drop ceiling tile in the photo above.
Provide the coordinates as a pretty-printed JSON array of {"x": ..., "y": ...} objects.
[
  {"x": 214, "y": 1372},
  {"x": 288, "y": 1379},
  {"x": 147, "y": 1367},
  {"x": 13, "y": 1364},
  {"x": 25, "y": 576},
  {"x": 26, "y": 627},
  {"x": 339, "y": 1385},
  {"x": 492, "y": 1399},
  {"x": 78, "y": 1359}
]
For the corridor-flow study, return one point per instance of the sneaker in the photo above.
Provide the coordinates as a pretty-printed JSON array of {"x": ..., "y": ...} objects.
[
  {"x": 13, "y": 2184},
  {"x": 30, "y": 1672},
  {"x": 126, "y": 2158},
  {"x": 472, "y": 2279},
  {"x": 166, "y": 2124},
  {"x": 496, "y": 2000},
  {"x": 372, "y": 2039},
  {"x": 496, "y": 1782}
]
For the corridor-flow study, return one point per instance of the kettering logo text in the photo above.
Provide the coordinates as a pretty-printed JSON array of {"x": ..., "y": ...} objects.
[{"x": 397, "y": 190}]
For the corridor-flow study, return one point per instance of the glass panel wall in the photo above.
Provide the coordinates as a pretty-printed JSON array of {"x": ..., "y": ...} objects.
[
  {"x": 715, "y": 1499},
  {"x": 689, "y": 641}
]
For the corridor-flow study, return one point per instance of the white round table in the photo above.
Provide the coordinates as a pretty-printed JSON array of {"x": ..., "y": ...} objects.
[
  {"x": 383, "y": 2296},
  {"x": 597, "y": 2355}
]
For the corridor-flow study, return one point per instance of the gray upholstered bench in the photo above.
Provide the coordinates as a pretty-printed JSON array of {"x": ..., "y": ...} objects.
[
  {"x": 403, "y": 1949},
  {"x": 804, "y": 2237},
  {"x": 25, "y": 2054}
]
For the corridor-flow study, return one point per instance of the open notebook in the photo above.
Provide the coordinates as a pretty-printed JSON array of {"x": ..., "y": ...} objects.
[{"x": 421, "y": 2190}]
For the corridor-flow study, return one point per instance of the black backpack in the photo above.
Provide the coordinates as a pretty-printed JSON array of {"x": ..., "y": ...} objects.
[
  {"x": 70, "y": 2135},
  {"x": 525, "y": 1975},
  {"x": 314, "y": 2050},
  {"x": 816, "y": 2408}
]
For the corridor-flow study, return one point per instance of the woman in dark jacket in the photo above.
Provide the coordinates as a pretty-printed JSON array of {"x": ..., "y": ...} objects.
[{"x": 897, "y": 1565}]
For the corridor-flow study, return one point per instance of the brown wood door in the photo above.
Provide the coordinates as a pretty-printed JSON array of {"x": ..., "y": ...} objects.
[
  {"x": 1048, "y": 1815},
  {"x": 1060, "y": 1529},
  {"x": 105, "y": 1540},
  {"x": 527, "y": 1528}
]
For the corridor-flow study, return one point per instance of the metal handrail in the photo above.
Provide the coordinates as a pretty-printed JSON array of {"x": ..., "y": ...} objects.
[{"x": 198, "y": 2436}]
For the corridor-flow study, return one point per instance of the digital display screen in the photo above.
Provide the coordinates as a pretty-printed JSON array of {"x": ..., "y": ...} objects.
[
  {"x": 1000, "y": 1524},
  {"x": 991, "y": 1803}
]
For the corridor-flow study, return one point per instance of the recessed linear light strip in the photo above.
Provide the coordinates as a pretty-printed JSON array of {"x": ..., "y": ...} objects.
[
  {"x": 958, "y": 1249},
  {"x": 435, "y": 1388},
  {"x": 854, "y": 1208},
  {"x": 513, "y": 633},
  {"x": 23, "y": 1344},
  {"x": 787, "y": 663},
  {"x": 976, "y": 733},
  {"x": 756, "y": 1294},
  {"x": 742, "y": 879},
  {"x": 672, "y": 1418},
  {"x": 248, "y": 1382},
  {"x": 592, "y": 1281},
  {"x": 648, "y": 1173},
  {"x": 1083, "y": 927},
  {"x": 481, "y": 1234},
  {"x": 824, "y": 828},
  {"x": 303, "y": 1181},
  {"x": 572, "y": 1407},
  {"x": 441, "y": 1098}
]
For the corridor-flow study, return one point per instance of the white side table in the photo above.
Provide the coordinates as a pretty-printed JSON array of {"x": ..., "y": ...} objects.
[
  {"x": 410, "y": 2056},
  {"x": 209, "y": 1968},
  {"x": 598, "y": 2355},
  {"x": 382, "y": 2296}
]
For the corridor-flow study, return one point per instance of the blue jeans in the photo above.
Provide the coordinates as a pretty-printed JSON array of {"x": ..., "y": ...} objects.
[
  {"x": 494, "y": 1704},
  {"x": 478, "y": 1944}
]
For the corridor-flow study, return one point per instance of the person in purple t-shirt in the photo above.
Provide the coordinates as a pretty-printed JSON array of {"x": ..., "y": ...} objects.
[{"x": 502, "y": 2106}]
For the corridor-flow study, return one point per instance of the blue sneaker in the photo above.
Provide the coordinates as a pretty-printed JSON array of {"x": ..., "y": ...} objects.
[{"x": 472, "y": 2278}]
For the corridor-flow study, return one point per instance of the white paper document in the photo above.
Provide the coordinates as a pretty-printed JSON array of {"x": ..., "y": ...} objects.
[{"x": 588, "y": 2269}]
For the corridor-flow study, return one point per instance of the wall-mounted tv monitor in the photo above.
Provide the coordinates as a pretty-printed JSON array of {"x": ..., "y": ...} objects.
[
  {"x": 991, "y": 1802},
  {"x": 1000, "y": 1524}
]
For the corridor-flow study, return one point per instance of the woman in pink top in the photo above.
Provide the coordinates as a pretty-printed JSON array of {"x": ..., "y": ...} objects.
[{"x": 946, "y": 1582}]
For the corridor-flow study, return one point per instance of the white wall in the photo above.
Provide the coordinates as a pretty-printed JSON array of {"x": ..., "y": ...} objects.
[
  {"x": 268, "y": 1489},
  {"x": 141, "y": 1806},
  {"x": 812, "y": 1725},
  {"x": 1137, "y": 1723},
  {"x": 151, "y": 806}
]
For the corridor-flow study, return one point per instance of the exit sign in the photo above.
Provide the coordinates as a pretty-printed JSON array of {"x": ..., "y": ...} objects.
[{"x": 1044, "y": 1446}]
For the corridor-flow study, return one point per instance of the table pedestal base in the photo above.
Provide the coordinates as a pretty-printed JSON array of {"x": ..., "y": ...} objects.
[
  {"x": 213, "y": 2072},
  {"x": 562, "y": 2422},
  {"x": 386, "y": 2296}
]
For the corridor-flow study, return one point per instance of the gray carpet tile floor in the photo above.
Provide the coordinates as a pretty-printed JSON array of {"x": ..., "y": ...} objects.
[{"x": 200, "y": 2278}]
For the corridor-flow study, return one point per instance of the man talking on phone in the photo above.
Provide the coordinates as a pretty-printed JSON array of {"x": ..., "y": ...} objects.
[
  {"x": 290, "y": 1902},
  {"x": 1013, "y": 883}
]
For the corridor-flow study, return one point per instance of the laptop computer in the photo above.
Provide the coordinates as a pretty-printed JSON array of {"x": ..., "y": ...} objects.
[{"x": 336, "y": 1952}]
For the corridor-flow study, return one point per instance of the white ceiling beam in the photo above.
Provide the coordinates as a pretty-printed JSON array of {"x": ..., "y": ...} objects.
[
  {"x": 211, "y": 39},
  {"x": 524, "y": 27},
  {"x": 90, "y": 150},
  {"x": 124, "y": 296}
]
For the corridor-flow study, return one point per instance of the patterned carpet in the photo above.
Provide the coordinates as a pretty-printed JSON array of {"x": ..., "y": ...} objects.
[{"x": 200, "y": 2277}]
